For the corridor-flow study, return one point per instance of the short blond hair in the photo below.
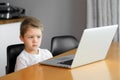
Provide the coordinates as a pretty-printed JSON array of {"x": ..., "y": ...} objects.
[{"x": 30, "y": 22}]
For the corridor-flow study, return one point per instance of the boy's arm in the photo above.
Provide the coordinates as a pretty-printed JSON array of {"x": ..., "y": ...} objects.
[{"x": 20, "y": 64}]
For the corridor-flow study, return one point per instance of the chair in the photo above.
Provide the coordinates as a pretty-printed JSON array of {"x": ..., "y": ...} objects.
[
  {"x": 12, "y": 52},
  {"x": 60, "y": 44}
]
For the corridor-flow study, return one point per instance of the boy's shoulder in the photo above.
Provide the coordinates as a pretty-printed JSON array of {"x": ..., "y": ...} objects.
[
  {"x": 22, "y": 54},
  {"x": 41, "y": 49},
  {"x": 46, "y": 53}
]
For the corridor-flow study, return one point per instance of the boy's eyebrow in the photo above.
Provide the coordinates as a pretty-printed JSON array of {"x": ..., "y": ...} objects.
[{"x": 32, "y": 35}]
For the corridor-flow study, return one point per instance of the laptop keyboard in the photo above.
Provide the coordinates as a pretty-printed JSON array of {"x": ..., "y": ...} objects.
[{"x": 68, "y": 62}]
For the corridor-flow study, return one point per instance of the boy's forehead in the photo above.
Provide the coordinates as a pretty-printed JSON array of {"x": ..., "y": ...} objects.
[{"x": 33, "y": 29}]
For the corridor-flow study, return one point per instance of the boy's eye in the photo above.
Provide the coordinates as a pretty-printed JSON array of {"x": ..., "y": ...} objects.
[
  {"x": 33, "y": 37},
  {"x": 30, "y": 37},
  {"x": 38, "y": 36}
]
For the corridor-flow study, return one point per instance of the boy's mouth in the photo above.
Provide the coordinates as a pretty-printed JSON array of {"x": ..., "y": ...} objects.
[{"x": 35, "y": 45}]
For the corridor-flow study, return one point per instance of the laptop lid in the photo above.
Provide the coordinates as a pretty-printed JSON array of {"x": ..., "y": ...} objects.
[{"x": 94, "y": 45}]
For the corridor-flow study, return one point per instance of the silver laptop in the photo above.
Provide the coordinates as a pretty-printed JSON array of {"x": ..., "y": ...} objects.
[{"x": 93, "y": 46}]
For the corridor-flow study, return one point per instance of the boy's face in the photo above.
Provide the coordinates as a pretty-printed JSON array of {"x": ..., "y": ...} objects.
[{"x": 32, "y": 39}]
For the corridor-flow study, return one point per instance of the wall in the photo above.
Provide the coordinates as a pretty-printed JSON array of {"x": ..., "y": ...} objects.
[
  {"x": 60, "y": 17},
  {"x": 9, "y": 34}
]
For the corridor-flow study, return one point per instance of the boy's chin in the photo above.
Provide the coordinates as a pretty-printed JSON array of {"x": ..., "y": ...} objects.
[{"x": 35, "y": 48}]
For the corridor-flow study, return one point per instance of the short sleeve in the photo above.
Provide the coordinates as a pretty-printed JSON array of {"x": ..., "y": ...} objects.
[
  {"x": 49, "y": 54},
  {"x": 45, "y": 54}
]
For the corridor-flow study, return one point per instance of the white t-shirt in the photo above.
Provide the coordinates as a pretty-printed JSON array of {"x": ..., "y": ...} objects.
[{"x": 25, "y": 59}]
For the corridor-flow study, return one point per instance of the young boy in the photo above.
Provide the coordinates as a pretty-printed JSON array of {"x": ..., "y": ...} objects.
[{"x": 31, "y": 34}]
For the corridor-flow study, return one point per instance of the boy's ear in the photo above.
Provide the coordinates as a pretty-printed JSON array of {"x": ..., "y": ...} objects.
[{"x": 21, "y": 38}]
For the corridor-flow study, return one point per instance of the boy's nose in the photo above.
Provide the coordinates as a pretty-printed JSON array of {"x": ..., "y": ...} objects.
[{"x": 35, "y": 40}]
